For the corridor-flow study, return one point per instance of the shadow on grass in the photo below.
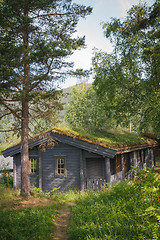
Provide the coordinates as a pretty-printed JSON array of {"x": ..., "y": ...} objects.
[{"x": 24, "y": 218}]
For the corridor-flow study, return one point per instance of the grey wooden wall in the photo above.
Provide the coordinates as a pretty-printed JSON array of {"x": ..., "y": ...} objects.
[
  {"x": 34, "y": 178},
  {"x": 71, "y": 179}
]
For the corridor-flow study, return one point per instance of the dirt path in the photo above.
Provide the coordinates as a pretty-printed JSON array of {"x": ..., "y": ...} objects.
[{"x": 61, "y": 223}]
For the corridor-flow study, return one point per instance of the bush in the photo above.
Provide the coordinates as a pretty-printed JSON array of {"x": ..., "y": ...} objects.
[{"x": 6, "y": 177}]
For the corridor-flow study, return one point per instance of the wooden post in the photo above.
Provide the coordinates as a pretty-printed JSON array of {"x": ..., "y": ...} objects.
[
  {"x": 147, "y": 158},
  {"x": 142, "y": 158},
  {"x": 135, "y": 159},
  {"x": 152, "y": 157},
  {"x": 122, "y": 164},
  {"x": 81, "y": 171},
  {"x": 14, "y": 174},
  {"x": 108, "y": 171},
  {"x": 40, "y": 169}
]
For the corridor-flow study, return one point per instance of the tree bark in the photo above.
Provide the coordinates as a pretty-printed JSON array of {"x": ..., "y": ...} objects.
[
  {"x": 25, "y": 177},
  {"x": 25, "y": 170}
]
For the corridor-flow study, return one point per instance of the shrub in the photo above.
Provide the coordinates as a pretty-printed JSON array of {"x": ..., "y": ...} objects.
[{"x": 6, "y": 177}]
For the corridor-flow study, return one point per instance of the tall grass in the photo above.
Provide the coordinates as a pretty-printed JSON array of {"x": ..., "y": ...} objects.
[
  {"x": 25, "y": 223},
  {"x": 129, "y": 210}
]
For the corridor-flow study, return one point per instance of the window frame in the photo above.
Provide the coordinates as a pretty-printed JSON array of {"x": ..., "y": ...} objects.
[
  {"x": 62, "y": 167},
  {"x": 35, "y": 161}
]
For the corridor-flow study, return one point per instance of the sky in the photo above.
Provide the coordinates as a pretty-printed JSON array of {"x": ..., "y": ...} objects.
[{"x": 91, "y": 28}]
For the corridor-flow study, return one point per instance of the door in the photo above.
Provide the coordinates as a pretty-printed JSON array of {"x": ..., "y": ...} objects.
[{"x": 95, "y": 167}]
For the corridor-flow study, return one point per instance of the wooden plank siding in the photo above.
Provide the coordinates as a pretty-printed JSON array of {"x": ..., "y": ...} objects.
[
  {"x": 17, "y": 160},
  {"x": 34, "y": 178},
  {"x": 51, "y": 179},
  {"x": 118, "y": 163}
]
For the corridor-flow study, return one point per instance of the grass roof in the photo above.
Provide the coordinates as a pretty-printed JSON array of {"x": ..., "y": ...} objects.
[{"x": 116, "y": 138}]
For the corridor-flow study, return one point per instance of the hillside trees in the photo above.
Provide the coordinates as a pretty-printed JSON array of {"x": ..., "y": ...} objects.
[
  {"x": 36, "y": 37},
  {"x": 120, "y": 85},
  {"x": 86, "y": 110},
  {"x": 130, "y": 76}
]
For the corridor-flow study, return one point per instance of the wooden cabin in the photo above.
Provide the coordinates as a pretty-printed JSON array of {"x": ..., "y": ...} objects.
[{"x": 79, "y": 162}]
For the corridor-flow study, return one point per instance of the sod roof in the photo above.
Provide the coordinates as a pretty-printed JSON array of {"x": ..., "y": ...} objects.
[
  {"x": 119, "y": 140},
  {"x": 116, "y": 139}
]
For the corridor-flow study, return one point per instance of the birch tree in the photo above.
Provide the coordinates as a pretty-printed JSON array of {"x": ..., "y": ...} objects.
[{"x": 130, "y": 76}]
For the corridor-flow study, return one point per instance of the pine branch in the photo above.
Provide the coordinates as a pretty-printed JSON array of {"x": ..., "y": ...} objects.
[
  {"x": 10, "y": 100},
  {"x": 49, "y": 66},
  {"x": 20, "y": 90},
  {"x": 36, "y": 84},
  {"x": 11, "y": 130},
  {"x": 4, "y": 115},
  {"x": 35, "y": 119},
  {"x": 12, "y": 111},
  {"x": 55, "y": 14}
]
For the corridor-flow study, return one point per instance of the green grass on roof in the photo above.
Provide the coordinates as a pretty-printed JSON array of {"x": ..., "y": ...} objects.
[
  {"x": 113, "y": 138},
  {"x": 109, "y": 138}
]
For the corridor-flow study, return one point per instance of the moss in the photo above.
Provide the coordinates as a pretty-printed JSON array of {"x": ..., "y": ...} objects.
[{"x": 111, "y": 138}]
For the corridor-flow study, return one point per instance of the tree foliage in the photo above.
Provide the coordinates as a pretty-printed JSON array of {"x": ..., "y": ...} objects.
[
  {"x": 36, "y": 37},
  {"x": 119, "y": 85},
  {"x": 86, "y": 110},
  {"x": 130, "y": 76}
]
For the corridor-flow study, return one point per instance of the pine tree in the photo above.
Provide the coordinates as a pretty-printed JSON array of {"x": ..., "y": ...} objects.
[{"x": 36, "y": 37}]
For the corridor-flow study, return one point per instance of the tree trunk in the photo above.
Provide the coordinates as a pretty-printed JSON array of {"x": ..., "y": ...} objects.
[
  {"x": 25, "y": 177},
  {"x": 25, "y": 169}
]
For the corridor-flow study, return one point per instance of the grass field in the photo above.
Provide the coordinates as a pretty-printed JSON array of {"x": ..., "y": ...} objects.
[
  {"x": 125, "y": 211},
  {"x": 23, "y": 218}
]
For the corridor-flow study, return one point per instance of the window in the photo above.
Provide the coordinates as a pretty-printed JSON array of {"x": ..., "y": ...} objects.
[
  {"x": 33, "y": 165},
  {"x": 60, "y": 169}
]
